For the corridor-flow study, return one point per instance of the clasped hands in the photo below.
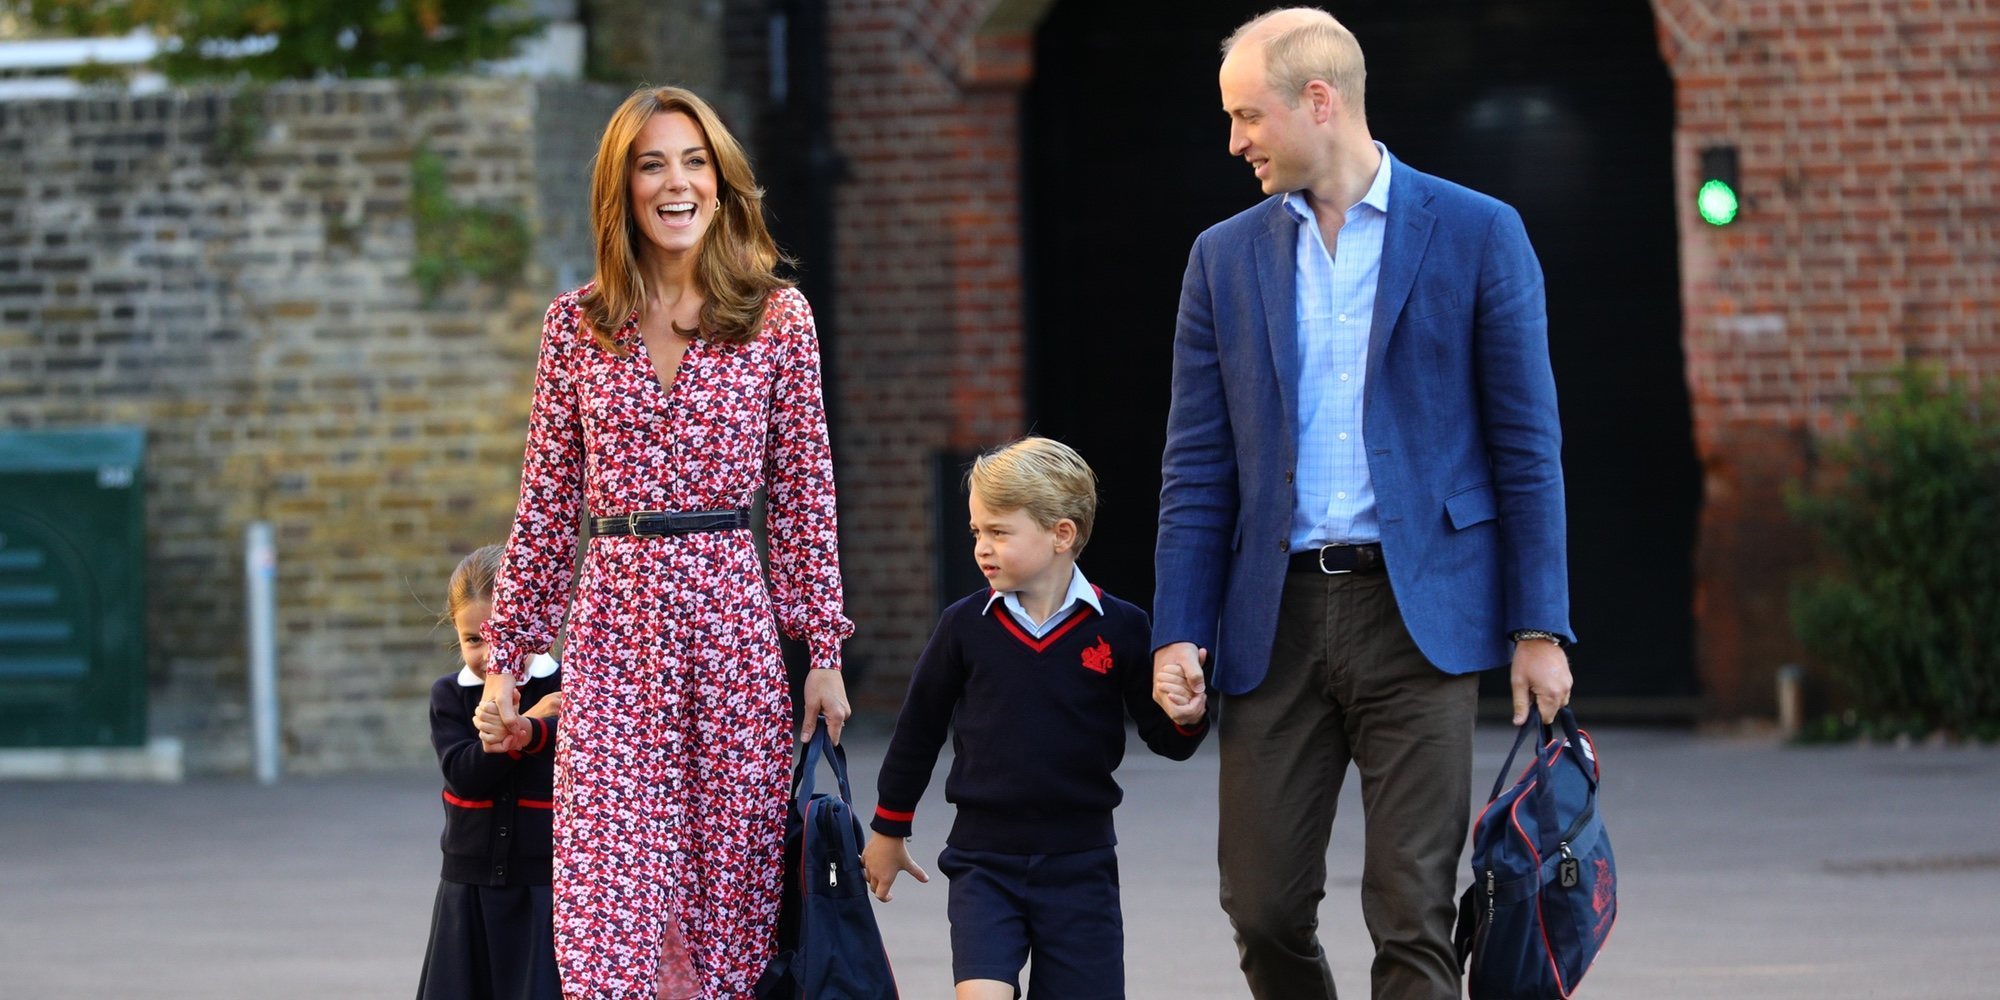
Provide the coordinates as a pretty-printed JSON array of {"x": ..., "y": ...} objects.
[
  {"x": 1180, "y": 687},
  {"x": 502, "y": 726}
]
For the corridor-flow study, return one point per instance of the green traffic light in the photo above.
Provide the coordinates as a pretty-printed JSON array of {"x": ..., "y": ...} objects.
[{"x": 1717, "y": 203}]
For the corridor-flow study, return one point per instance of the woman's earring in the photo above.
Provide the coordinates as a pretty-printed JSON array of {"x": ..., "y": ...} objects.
[{"x": 718, "y": 203}]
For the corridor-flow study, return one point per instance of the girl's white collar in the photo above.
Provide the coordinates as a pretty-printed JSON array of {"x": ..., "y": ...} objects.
[{"x": 541, "y": 666}]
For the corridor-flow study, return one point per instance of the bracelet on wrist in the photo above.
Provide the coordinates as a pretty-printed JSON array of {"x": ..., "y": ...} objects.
[{"x": 1526, "y": 634}]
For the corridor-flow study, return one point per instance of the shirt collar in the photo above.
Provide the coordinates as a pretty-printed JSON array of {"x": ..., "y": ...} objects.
[
  {"x": 1376, "y": 198},
  {"x": 1079, "y": 590},
  {"x": 541, "y": 666}
]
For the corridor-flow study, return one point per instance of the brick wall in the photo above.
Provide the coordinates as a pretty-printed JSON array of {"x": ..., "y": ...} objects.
[
  {"x": 1869, "y": 134},
  {"x": 925, "y": 108},
  {"x": 231, "y": 272}
]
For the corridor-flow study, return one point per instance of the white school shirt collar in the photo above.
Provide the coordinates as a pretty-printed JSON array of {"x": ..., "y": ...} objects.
[
  {"x": 1079, "y": 590},
  {"x": 541, "y": 666}
]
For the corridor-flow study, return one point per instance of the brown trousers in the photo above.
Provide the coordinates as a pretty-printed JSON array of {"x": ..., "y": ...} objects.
[{"x": 1346, "y": 683}]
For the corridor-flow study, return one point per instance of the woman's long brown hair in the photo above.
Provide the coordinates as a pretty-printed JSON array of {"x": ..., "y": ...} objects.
[{"x": 735, "y": 268}]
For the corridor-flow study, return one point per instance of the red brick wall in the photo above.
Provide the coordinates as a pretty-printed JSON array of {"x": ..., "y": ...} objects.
[
  {"x": 1868, "y": 133},
  {"x": 925, "y": 110}
]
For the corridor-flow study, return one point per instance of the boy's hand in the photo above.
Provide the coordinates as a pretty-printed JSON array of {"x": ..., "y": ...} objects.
[
  {"x": 1179, "y": 687},
  {"x": 549, "y": 707},
  {"x": 883, "y": 859}
]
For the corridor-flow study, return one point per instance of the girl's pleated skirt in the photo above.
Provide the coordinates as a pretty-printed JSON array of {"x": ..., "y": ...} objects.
[{"x": 491, "y": 943}]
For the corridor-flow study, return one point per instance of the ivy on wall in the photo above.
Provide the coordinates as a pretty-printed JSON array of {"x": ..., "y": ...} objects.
[{"x": 454, "y": 240}]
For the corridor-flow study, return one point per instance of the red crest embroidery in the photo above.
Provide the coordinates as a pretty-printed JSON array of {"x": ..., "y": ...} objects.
[{"x": 1098, "y": 657}]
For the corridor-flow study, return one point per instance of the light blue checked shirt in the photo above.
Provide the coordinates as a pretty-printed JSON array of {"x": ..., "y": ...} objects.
[{"x": 1332, "y": 500}]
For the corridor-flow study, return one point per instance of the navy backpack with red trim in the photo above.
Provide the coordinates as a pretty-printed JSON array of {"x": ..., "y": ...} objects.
[
  {"x": 829, "y": 947},
  {"x": 1544, "y": 885}
]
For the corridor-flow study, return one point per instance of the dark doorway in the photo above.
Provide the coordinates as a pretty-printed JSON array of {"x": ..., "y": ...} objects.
[{"x": 1562, "y": 108}]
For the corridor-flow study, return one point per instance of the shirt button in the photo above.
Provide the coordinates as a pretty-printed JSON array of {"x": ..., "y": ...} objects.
[
  {"x": 1343, "y": 435},
  {"x": 503, "y": 832},
  {"x": 1342, "y": 495},
  {"x": 1343, "y": 376},
  {"x": 1343, "y": 317}
]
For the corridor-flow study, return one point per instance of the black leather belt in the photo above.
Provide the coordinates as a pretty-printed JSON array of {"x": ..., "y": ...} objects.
[
  {"x": 669, "y": 522},
  {"x": 1336, "y": 559}
]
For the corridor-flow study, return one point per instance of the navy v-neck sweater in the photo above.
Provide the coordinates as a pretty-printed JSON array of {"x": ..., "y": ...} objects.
[{"x": 1037, "y": 726}]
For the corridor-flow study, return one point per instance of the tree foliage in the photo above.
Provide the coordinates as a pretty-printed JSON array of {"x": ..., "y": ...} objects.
[{"x": 270, "y": 40}]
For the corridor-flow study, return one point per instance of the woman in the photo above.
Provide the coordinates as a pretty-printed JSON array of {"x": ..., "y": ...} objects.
[{"x": 667, "y": 391}]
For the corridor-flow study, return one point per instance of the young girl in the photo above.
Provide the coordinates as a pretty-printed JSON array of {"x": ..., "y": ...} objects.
[{"x": 491, "y": 930}]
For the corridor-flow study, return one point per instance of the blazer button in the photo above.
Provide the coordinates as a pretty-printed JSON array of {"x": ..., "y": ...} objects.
[
  {"x": 1283, "y": 545},
  {"x": 1288, "y": 476},
  {"x": 503, "y": 832}
]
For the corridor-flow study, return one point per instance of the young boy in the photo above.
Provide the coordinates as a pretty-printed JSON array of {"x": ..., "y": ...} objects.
[{"x": 1034, "y": 675}]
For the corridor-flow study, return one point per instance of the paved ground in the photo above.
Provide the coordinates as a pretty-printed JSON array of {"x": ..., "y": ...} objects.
[{"x": 1748, "y": 870}]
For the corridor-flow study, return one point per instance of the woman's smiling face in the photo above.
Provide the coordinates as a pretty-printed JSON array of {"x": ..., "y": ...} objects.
[{"x": 673, "y": 182}]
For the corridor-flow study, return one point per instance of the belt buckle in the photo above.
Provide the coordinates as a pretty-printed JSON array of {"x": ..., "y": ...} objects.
[
  {"x": 1322, "y": 561},
  {"x": 647, "y": 522}
]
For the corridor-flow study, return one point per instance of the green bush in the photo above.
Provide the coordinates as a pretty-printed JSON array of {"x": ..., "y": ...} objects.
[{"x": 1905, "y": 608}]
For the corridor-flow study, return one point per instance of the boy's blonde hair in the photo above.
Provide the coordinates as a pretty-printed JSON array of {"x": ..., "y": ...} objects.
[
  {"x": 472, "y": 580},
  {"x": 1045, "y": 478}
]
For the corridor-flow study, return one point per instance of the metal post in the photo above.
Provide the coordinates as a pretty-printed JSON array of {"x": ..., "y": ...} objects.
[
  {"x": 260, "y": 573},
  {"x": 1791, "y": 703}
]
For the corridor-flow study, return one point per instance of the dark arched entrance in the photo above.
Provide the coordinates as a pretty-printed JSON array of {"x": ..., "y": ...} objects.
[{"x": 1562, "y": 108}]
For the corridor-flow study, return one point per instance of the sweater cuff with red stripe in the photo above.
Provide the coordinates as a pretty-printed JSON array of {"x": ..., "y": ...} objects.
[
  {"x": 891, "y": 823},
  {"x": 541, "y": 739}
]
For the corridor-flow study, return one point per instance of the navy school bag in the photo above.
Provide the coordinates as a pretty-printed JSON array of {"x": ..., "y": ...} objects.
[
  {"x": 1544, "y": 885},
  {"x": 828, "y": 945}
]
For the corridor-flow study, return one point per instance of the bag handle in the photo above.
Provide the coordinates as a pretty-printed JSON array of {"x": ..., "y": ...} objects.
[
  {"x": 1544, "y": 794},
  {"x": 1566, "y": 721},
  {"x": 804, "y": 771},
  {"x": 1507, "y": 767}
]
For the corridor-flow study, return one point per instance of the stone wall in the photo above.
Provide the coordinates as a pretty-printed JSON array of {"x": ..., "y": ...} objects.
[{"x": 231, "y": 270}]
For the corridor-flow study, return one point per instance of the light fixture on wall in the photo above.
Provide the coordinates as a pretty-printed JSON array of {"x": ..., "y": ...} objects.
[{"x": 1716, "y": 199}]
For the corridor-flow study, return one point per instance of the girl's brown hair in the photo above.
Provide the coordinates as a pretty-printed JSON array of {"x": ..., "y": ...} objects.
[
  {"x": 736, "y": 267},
  {"x": 472, "y": 580}
]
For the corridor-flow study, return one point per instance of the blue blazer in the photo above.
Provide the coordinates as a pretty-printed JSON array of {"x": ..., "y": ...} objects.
[{"x": 1458, "y": 416}]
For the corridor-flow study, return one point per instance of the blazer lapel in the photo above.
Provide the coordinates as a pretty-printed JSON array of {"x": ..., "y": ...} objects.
[
  {"x": 1277, "y": 277},
  {"x": 1406, "y": 234}
]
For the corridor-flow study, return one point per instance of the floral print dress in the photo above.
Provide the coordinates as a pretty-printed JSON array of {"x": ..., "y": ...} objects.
[{"x": 674, "y": 756}]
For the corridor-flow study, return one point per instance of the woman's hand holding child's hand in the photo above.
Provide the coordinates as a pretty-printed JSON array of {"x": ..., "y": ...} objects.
[
  {"x": 548, "y": 708},
  {"x": 886, "y": 857},
  {"x": 501, "y": 729}
]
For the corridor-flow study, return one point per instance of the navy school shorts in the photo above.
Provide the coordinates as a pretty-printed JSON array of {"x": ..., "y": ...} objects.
[{"x": 1060, "y": 909}]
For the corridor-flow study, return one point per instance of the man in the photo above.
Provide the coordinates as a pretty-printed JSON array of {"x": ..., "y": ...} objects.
[{"x": 1362, "y": 508}]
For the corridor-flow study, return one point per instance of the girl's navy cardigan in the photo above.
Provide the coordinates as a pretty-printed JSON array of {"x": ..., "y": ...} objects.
[{"x": 498, "y": 807}]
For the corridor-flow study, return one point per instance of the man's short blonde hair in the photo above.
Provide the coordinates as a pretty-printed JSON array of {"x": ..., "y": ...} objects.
[
  {"x": 1303, "y": 44},
  {"x": 1045, "y": 478}
]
